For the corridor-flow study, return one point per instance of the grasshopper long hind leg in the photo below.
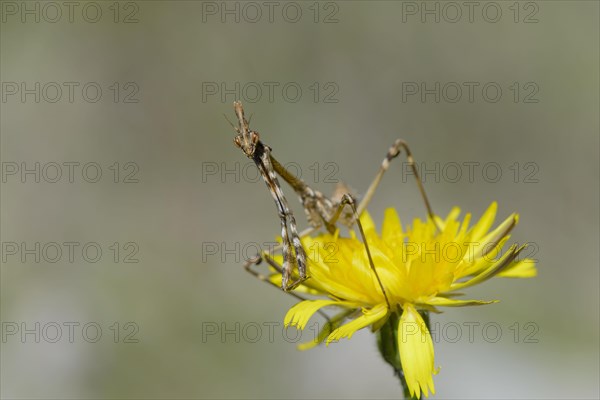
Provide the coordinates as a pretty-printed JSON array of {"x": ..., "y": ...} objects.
[
  {"x": 347, "y": 200},
  {"x": 392, "y": 153}
]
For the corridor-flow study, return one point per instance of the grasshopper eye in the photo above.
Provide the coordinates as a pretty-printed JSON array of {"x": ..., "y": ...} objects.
[
  {"x": 237, "y": 142},
  {"x": 254, "y": 136}
]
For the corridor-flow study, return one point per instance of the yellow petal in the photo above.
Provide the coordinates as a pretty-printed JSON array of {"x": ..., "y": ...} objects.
[
  {"x": 331, "y": 325},
  {"x": 416, "y": 352},
  {"x": 464, "y": 226},
  {"x": 391, "y": 230},
  {"x": 299, "y": 315},
  {"x": 452, "y": 215},
  {"x": 275, "y": 279},
  {"x": 468, "y": 268},
  {"x": 369, "y": 317},
  {"x": 487, "y": 243},
  {"x": 490, "y": 272},
  {"x": 522, "y": 269},
  {"x": 367, "y": 222},
  {"x": 442, "y": 301},
  {"x": 484, "y": 223}
]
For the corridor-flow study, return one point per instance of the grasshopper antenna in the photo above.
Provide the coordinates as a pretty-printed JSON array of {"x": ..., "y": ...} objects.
[{"x": 231, "y": 123}]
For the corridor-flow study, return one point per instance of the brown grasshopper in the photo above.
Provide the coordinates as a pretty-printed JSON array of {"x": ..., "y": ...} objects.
[{"x": 321, "y": 211}]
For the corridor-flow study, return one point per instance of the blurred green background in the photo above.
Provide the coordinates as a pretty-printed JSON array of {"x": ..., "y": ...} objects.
[{"x": 199, "y": 326}]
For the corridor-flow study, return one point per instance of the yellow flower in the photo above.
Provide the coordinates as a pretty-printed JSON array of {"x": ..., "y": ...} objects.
[{"x": 419, "y": 270}]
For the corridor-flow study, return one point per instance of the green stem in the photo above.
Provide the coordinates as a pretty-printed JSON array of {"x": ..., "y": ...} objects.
[{"x": 387, "y": 341}]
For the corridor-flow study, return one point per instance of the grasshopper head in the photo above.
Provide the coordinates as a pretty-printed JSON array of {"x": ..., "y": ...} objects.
[{"x": 245, "y": 139}]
